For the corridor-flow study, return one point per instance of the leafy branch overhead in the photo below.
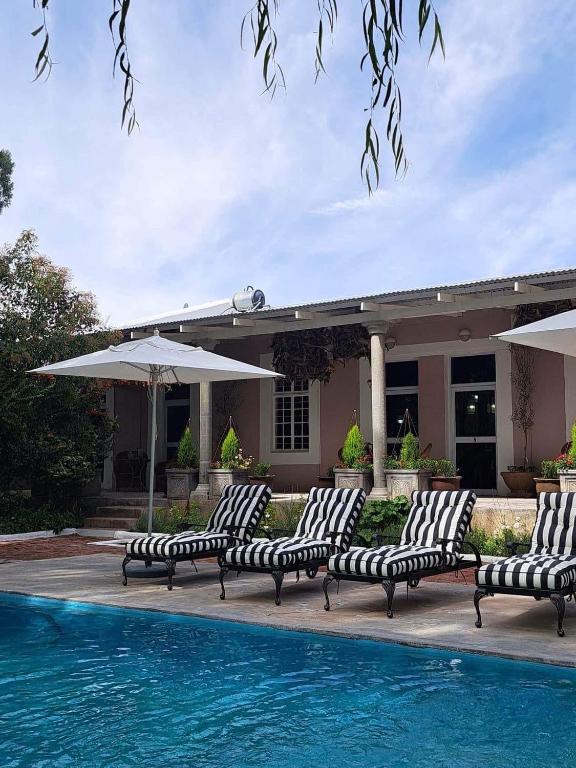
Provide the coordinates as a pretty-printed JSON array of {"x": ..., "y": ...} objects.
[{"x": 383, "y": 34}]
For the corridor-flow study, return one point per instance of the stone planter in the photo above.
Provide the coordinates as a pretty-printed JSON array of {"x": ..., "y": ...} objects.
[
  {"x": 180, "y": 483},
  {"x": 401, "y": 482},
  {"x": 262, "y": 480},
  {"x": 353, "y": 478},
  {"x": 547, "y": 484},
  {"x": 568, "y": 481},
  {"x": 438, "y": 483},
  {"x": 325, "y": 481},
  {"x": 218, "y": 478},
  {"x": 520, "y": 483}
]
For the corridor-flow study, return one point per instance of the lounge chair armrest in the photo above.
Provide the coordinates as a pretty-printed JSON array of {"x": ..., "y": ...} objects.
[
  {"x": 475, "y": 551},
  {"x": 232, "y": 531},
  {"x": 513, "y": 546}
]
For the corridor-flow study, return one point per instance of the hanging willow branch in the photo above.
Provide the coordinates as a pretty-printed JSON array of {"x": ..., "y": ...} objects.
[{"x": 383, "y": 30}]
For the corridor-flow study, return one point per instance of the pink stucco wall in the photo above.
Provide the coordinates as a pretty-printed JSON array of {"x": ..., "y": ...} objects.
[
  {"x": 131, "y": 413},
  {"x": 549, "y": 432},
  {"x": 432, "y": 404}
]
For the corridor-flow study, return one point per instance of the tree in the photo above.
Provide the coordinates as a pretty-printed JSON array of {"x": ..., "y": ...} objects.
[
  {"x": 383, "y": 31},
  {"x": 6, "y": 183},
  {"x": 54, "y": 431}
]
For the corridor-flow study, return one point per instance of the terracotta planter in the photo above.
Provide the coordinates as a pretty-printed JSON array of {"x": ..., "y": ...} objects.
[
  {"x": 218, "y": 478},
  {"x": 547, "y": 484},
  {"x": 521, "y": 484},
  {"x": 325, "y": 481},
  {"x": 402, "y": 482},
  {"x": 353, "y": 478},
  {"x": 262, "y": 480},
  {"x": 180, "y": 483},
  {"x": 439, "y": 483}
]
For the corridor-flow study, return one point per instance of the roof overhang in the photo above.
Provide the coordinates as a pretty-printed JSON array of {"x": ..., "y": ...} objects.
[{"x": 500, "y": 293}]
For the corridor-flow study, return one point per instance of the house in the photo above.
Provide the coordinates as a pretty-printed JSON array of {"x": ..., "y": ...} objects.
[{"x": 432, "y": 356}]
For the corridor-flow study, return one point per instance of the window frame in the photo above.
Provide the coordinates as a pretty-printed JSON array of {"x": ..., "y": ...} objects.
[
  {"x": 413, "y": 389},
  {"x": 291, "y": 394}
]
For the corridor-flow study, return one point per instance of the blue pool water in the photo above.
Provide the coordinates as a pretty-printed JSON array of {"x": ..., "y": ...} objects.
[{"x": 99, "y": 687}]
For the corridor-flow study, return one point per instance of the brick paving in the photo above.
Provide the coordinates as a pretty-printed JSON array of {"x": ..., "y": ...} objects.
[{"x": 56, "y": 547}]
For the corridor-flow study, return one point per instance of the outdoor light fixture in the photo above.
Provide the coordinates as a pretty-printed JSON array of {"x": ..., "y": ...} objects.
[
  {"x": 389, "y": 342},
  {"x": 464, "y": 334}
]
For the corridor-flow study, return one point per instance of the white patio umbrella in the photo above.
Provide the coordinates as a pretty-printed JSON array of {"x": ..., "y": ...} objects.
[
  {"x": 156, "y": 360},
  {"x": 556, "y": 334}
]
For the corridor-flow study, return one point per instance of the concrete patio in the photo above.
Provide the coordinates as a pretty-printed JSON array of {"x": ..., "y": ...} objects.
[{"x": 435, "y": 614}]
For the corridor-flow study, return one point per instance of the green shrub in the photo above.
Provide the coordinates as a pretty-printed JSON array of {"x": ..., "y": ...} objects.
[
  {"x": 20, "y": 514},
  {"x": 410, "y": 452},
  {"x": 354, "y": 447},
  {"x": 230, "y": 450},
  {"x": 261, "y": 470},
  {"x": 386, "y": 517},
  {"x": 187, "y": 456},
  {"x": 572, "y": 449},
  {"x": 495, "y": 543},
  {"x": 285, "y": 515},
  {"x": 549, "y": 469},
  {"x": 172, "y": 519},
  {"x": 443, "y": 468}
]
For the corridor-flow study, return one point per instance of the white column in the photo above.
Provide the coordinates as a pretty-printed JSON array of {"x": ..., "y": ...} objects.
[
  {"x": 205, "y": 434},
  {"x": 378, "y": 378}
]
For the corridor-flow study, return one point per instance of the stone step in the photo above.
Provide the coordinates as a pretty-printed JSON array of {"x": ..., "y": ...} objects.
[
  {"x": 112, "y": 523},
  {"x": 132, "y": 512}
]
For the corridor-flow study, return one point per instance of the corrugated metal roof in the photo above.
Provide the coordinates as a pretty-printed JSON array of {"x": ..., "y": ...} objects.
[{"x": 224, "y": 306}]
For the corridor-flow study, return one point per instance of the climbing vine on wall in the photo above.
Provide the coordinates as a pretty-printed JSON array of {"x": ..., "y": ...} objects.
[
  {"x": 314, "y": 354},
  {"x": 530, "y": 313}
]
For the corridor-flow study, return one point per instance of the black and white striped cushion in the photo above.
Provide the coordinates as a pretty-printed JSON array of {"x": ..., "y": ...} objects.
[
  {"x": 532, "y": 571},
  {"x": 439, "y": 515},
  {"x": 555, "y": 529},
  {"x": 388, "y": 561},
  {"x": 331, "y": 510},
  {"x": 179, "y": 545},
  {"x": 240, "y": 506},
  {"x": 280, "y": 553}
]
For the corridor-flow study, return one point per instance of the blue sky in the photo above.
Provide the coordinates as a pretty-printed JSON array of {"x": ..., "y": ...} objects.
[{"x": 222, "y": 187}]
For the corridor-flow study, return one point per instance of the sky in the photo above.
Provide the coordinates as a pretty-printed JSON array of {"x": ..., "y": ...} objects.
[{"x": 222, "y": 187}]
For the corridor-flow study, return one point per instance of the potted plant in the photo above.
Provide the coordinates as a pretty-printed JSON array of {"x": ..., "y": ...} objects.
[
  {"x": 445, "y": 477},
  {"x": 232, "y": 469},
  {"x": 261, "y": 475},
  {"x": 409, "y": 472},
  {"x": 548, "y": 482},
  {"x": 566, "y": 465},
  {"x": 520, "y": 479},
  {"x": 182, "y": 477},
  {"x": 355, "y": 469}
]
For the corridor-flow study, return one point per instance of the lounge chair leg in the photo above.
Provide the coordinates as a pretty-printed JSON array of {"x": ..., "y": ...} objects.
[
  {"x": 171, "y": 565},
  {"x": 560, "y": 603},
  {"x": 124, "y": 564},
  {"x": 297, "y": 576},
  {"x": 194, "y": 564},
  {"x": 389, "y": 588},
  {"x": 328, "y": 579},
  {"x": 278, "y": 577},
  {"x": 223, "y": 572},
  {"x": 478, "y": 595}
]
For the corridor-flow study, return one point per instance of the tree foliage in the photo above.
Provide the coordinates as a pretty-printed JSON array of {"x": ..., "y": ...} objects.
[
  {"x": 54, "y": 431},
  {"x": 230, "y": 449},
  {"x": 354, "y": 446},
  {"x": 187, "y": 456},
  {"x": 6, "y": 183},
  {"x": 383, "y": 34}
]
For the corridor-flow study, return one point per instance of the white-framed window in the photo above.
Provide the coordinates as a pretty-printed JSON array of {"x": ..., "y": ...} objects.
[
  {"x": 291, "y": 403},
  {"x": 401, "y": 398}
]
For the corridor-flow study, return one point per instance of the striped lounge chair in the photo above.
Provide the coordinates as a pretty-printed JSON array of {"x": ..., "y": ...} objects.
[
  {"x": 326, "y": 526},
  {"x": 233, "y": 521},
  {"x": 431, "y": 543},
  {"x": 548, "y": 569}
]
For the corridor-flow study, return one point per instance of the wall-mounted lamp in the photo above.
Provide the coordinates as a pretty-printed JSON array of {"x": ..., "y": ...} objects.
[
  {"x": 464, "y": 334},
  {"x": 389, "y": 342}
]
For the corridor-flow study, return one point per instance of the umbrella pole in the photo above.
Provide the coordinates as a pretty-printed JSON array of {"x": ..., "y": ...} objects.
[{"x": 152, "y": 450}]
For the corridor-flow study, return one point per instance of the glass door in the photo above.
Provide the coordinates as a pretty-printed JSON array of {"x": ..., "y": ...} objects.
[{"x": 474, "y": 420}]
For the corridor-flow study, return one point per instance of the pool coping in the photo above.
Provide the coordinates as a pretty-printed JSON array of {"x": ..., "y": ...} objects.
[{"x": 343, "y": 633}]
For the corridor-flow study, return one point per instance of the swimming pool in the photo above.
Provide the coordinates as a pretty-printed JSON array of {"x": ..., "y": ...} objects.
[{"x": 84, "y": 685}]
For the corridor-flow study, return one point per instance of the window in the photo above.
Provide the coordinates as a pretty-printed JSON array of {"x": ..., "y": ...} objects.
[
  {"x": 401, "y": 398},
  {"x": 291, "y": 415},
  {"x": 177, "y": 405},
  {"x": 473, "y": 369}
]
